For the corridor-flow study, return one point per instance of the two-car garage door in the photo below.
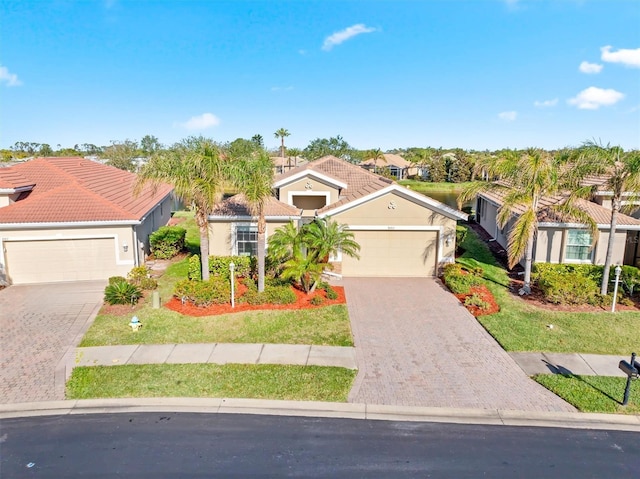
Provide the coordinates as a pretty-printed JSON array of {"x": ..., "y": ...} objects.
[
  {"x": 44, "y": 261},
  {"x": 393, "y": 253}
]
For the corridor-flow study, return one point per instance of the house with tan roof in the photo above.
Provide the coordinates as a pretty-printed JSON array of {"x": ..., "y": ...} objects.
[
  {"x": 563, "y": 240},
  {"x": 400, "y": 232},
  {"x": 70, "y": 219},
  {"x": 396, "y": 165}
]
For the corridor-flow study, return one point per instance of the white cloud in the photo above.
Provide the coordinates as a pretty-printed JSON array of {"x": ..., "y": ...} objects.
[
  {"x": 545, "y": 103},
  {"x": 627, "y": 57},
  {"x": 201, "y": 122},
  {"x": 342, "y": 36},
  {"x": 586, "y": 67},
  {"x": 10, "y": 79},
  {"x": 593, "y": 98},
  {"x": 508, "y": 115}
]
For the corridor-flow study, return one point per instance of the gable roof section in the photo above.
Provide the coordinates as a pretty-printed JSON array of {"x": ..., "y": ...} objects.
[
  {"x": 70, "y": 190},
  {"x": 419, "y": 198},
  {"x": 236, "y": 206},
  {"x": 546, "y": 217},
  {"x": 12, "y": 181},
  {"x": 389, "y": 160}
]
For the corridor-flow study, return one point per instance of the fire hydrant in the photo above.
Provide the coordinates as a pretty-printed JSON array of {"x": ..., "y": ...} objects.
[{"x": 135, "y": 323}]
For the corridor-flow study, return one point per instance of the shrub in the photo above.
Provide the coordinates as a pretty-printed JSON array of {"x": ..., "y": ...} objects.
[
  {"x": 167, "y": 241},
  {"x": 563, "y": 286},
  {"x": 458, "y": 280},
  {"x": 117, "y": 279},
  {"x": 219, "y": 266},
  {"x": 461, "y": 235},
  {"x": 204, "y": 293},
  {"x": 476, "y": 300},
  {"x": 121, "y": 292},
  {"x": 630, "y": 278},
  {"x": 331, "y": 293},
  {"x": 317, "y": 300},
  {"x": 195, "y": 268},
  {"x": 139, "y": 276},
  {"x": 270, "y": 295}
]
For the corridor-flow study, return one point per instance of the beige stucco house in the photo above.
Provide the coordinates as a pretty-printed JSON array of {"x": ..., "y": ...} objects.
[
  {"x": 400, "y": 232},
  {"x": 396, "y": 165},
  {"x": 70, "y": 219},
  {"x": 560, "y": 241}
]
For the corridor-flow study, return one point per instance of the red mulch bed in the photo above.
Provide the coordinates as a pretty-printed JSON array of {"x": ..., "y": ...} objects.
[
  {"x": 486, "y": 295},
  {"x": 303, "y": 302}
]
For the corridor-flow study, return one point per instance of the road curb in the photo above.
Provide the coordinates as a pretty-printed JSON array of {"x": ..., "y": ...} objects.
[{"x": 360, "y": 411}]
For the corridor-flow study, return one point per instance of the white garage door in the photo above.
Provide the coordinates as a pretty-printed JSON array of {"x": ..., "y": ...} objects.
[
  {"x": 393, "y": 253},
  {"x": 60, "y": 260}
]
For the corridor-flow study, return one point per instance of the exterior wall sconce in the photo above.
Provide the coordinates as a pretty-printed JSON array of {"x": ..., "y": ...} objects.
[
  {"x": 447, "y": 239},
  {"x": 125, "y": 246}
]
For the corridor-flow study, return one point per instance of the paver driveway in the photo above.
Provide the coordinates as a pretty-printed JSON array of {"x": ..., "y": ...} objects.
[
  {"x": 416, "y": 345},
  {"x": 39, "y": 326}
]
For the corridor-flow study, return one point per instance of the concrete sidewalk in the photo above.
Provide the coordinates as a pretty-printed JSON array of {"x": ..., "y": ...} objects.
[
  {"x": 575, "y": 363},
  {"x": 216, "y": 353}
]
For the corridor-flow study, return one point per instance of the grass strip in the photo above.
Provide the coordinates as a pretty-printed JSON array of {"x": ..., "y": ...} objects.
[
  {"x": 256, "y": 381},
  {"x": 327, "y": 326},
  {"x": 593, "y": 393},
  {"x": 523, "y": 327}
]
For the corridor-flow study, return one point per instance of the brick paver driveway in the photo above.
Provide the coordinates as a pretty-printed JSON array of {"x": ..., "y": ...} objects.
[
  {"x": 416, "y": 345},
  {"x": 39, "y": 326}
]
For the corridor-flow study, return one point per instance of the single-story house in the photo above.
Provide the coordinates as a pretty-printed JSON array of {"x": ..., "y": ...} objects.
[
  {"x": 396, "y": 165},
  {"x": 69, "y": 219},
  {"x": 562, "y": 240},
  {"x": 283, "y": 164},
  {"x": 400, "y": 232}
]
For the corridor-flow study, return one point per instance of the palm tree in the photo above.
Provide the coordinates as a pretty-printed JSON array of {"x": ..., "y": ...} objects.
[
  {"x": 281, "y": 133},
  {"x": 376, "y": 155},
  {"x": 325, "y": 237},
  {"x": 525, "y": 178},
  {"x": 253, "y": 176},
  {"x": 622, "y": 172},
  {"x": 195, "y": 169}
]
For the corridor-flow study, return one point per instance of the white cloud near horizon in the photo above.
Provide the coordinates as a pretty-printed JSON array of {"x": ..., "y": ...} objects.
[
  {"x": 9, "y": 79},
  {"x": 593, "y": 98},
  {"x": 343, "y": 35},
  {"x": 201, "y": 122},
  {"x": 508, "y": 115},
  {"x": 590, "y": 68},
  {"x": 545, "y": 103},
  {"x": 626, "y": 56}
]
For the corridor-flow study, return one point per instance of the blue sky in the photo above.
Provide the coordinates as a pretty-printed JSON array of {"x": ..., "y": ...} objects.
[{"x": 483, "y": 74}]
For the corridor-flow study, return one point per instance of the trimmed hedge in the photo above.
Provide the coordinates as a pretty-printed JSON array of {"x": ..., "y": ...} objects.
[
  {"x": 204, "y": 293},
  {"x": 195, "y": 268},
  {"x": 167, "y": 241},
  {"x": 458, "y": 280},
  {"x": 272, "y": 294},
  {"x": 243, "y": 266}
]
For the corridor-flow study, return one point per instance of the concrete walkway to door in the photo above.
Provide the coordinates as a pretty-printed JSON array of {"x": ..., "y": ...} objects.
[
  {"x": 416, "y": 345},
  {"x": 40, "y": 325}
]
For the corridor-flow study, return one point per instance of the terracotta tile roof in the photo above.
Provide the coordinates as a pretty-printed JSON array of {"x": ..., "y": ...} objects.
[
  {"x": 599, "y": 214},
  {"x": 11, "y": 179},
  {"x": 77, "y": 190},
  {"x": 286, "y": 161},
  {"x": 391, "y": 159},
  {"x": 237, "y": 206}
]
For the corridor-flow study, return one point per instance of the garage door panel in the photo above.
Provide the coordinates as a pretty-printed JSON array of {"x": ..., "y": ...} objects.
[
  {"x": 393, "y": 253},
  {"x": 43, "y": 261}
]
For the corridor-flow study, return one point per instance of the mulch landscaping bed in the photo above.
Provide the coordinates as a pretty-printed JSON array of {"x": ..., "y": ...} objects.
[
  {"x": 483, "y": 292},
  {"x": 303, "y": 302}
]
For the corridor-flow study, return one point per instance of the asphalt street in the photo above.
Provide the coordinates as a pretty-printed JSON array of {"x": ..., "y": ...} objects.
[{"x": 171, "y": 445}]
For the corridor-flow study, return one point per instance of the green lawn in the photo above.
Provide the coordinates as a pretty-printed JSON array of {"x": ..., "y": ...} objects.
[
  {"x": 262, "y": 381},
  {"x": 522, "y": 327},
  {"x": 593, "y": 393}
]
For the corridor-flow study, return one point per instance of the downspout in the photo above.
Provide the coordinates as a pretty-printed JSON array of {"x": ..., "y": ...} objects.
[{"x": 136, "y": 252}]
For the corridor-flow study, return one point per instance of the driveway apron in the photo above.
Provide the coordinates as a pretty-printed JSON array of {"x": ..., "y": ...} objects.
[
  {"x": 416, "y": 345},
  {"x": 40, "y": 326}
]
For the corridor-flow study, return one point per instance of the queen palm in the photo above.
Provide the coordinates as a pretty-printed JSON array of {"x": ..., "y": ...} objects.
[
  {"x": 195, "y": 169},
  {"x": 525, "y": 178},
  {"x": 324, "y": 237},
  {"x": 253, "y": 176},
  {"x": 282, "y": 133},
  {"x": 376, "y": 155},
  {"x": 622, "y": 172}
]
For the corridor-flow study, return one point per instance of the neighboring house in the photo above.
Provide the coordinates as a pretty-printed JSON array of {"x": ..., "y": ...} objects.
[
  {"x": 562, "y": 240},
  {"x": 283, "y": 164},
  {"x": 69, "y": 219},
  {"x": 400, "y": 232},
  {"x": 396, "y": 165}
]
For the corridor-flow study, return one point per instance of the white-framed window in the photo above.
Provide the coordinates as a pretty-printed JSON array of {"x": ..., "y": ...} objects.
[
  {"x": 578, "y": 246},
  {"x": 246, "y": 239}
]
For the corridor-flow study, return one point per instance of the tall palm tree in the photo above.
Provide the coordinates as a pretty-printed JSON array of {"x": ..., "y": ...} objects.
[
  {"x": 376, "y": 155},
  {"x": 253, "y": 177},
  {"x": 195, "y": 169},
  {"x": 282, "y": 133},
  {"x": 526, "y": 177},
  {"x": 622, "y": 172}
]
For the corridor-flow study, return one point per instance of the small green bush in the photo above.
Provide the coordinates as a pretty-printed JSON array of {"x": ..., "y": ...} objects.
[
  {"x": 195, "y": 268},
  {"x": 458, "y": 280},
  {"x": 167, "y": 241},
  {"x": 204, "y": 293},
  {"x": 117, "y": 279},
  {"x": 562, "y": 286},
  {"x": 317, "y": 300},
  {"x": 476, "y": 300},
  {"x": 331, "y": 293},
  {"x": 121, "y": 292},
  {"x": 139, "y": 276},
  {"x": 630, "y": 278},
  {"x": 270, "y": 295},
  {"x": 219, "y": 266},
  {"x": 461, "y": 235}
]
